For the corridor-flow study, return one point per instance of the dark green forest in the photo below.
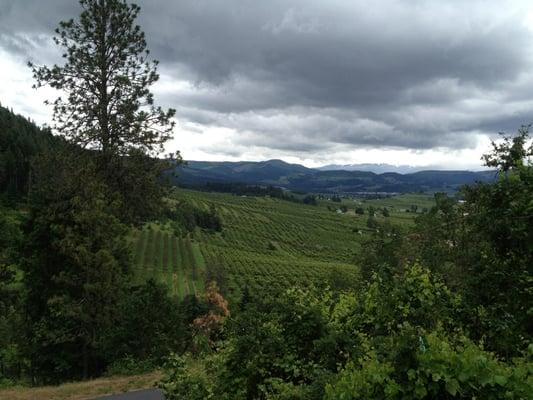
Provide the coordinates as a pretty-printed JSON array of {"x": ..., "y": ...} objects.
[{"x": 441, "y": 307}]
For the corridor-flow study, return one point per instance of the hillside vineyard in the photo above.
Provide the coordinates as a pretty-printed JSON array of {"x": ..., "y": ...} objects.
[{"x": 266, "y": 245}]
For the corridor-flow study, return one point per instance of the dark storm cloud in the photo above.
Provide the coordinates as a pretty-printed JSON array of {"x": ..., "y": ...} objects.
[
  {"x": 35, "y": 16},
  {"x": 302, "y": 74},
  {"x": 336, "y": 54}
]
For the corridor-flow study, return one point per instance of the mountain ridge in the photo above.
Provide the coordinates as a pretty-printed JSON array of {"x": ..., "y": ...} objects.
[{"x": 298, "y": 177}]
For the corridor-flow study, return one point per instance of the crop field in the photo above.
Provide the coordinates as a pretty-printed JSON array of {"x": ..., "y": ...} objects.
[
  {"x": 402, "y": 208},
  {"x": 266, "y": 244},
  {"x": 175, "y": 261},
  {"x": 402, "y": 203}
]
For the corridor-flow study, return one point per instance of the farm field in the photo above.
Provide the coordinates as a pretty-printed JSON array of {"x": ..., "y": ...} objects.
[
  {"x": 400, "y": 207},
  {"x": 175, "y": 261},
  {"x": 404, "y": 202},
  {"x": 266, "y": 244}
]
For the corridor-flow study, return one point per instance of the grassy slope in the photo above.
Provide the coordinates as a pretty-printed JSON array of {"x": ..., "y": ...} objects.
[
  {"x": 266, "y": 243},
  {"x": 84, "y": 390}
]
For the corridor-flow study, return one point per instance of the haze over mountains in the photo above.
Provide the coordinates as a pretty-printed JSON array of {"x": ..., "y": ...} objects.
[{"x": 298, "y": 177}]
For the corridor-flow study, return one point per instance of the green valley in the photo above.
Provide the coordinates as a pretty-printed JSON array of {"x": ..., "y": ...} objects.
[
  {"x": 194, "y": 246},
  {"x": 266, "y": 244}
]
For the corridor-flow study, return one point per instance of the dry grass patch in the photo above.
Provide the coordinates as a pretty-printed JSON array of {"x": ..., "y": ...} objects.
[{"x": 84, "y": 390}]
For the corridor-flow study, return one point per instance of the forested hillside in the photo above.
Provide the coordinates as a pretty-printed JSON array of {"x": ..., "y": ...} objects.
[{"x": 20, "y": 141}]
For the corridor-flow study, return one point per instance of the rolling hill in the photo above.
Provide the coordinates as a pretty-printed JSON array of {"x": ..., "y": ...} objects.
[{"x": 298, "y": 177}]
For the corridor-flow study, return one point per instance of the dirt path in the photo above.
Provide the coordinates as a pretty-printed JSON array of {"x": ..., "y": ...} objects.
[{"x": 133, "y": 386}]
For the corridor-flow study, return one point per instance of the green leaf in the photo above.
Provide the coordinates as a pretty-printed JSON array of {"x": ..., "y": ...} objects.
[
  {"x": 452, "y": 386},
  {"x": 500, "y": 380}
]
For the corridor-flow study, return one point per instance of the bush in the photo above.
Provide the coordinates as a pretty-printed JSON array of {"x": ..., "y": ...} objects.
[
  {"x": 149, "y": 325},
  {"x": 271, "y": 349},
  {"x": 185, "y": 379},
  {"x": 128, "y": 365},
  {"x": 410, "y": 336},
  {"x": 372, "y": 223},
  {"x": 440, "y": 369}
]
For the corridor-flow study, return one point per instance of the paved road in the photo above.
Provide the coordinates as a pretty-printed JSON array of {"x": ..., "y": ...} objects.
[{"x": 150, "y": 394}]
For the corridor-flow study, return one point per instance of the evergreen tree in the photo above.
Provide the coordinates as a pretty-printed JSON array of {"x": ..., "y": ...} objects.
[
  {"x": 106, "y": 77},
  {"x": 75, "y": 263},
  {"x": 10, "y": 297},
  {"x": 108, "y": 106}
]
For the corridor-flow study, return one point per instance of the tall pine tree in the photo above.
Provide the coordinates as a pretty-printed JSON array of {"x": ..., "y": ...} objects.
[
  {"x": 76, "y": 257},
  {"x": 75, "y": 263},
  {"x": 108, "y": 106}
]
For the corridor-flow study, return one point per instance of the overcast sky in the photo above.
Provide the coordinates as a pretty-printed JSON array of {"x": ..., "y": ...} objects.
[{"x": 415, "y": 82}]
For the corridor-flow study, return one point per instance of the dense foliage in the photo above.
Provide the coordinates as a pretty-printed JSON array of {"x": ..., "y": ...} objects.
[
  {"x": 11, "y": 362},
  {"x": 74, "y": 260},
  {"x": 399, "y": 338},
  {"x": 185, "y": 216}
]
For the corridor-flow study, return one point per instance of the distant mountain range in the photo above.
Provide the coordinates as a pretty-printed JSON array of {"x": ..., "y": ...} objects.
[
  {"x": 297, "y": 177},
  {"x": 375, "y": 168}
]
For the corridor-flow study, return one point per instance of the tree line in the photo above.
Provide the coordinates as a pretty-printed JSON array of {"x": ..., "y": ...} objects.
[{"x": 243, "y": 189}]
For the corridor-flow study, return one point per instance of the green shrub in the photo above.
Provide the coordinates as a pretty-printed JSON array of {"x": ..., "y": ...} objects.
[
  {"x": 440, "y": 369},
  {"x": 128, "y": 365},
  {"x": 185, "y": 379}
]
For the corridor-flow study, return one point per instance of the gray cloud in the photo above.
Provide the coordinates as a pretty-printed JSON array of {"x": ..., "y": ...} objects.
[{"x": 303, "y": 75}]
